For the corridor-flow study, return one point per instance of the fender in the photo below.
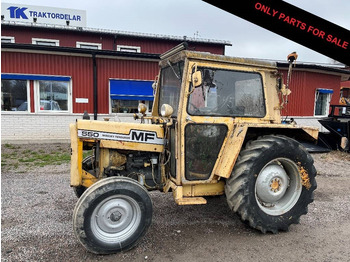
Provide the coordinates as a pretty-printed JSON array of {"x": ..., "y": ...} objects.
[
  {"x": 231, "y": 150},
  {"x": 242, "y": 131}
]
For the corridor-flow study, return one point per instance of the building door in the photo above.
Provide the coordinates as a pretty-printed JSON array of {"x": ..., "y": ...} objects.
[{"x": 322, "y": 101}]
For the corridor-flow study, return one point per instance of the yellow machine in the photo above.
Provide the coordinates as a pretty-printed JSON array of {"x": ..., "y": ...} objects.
[
  {"x": 344, "y": 96},
  {"x": 215, "y": 129}
]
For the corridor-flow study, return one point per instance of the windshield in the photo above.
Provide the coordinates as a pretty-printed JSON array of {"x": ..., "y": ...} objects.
[
  {"x": 228, "y": 93},
  {"x": 170, "y": 86}
]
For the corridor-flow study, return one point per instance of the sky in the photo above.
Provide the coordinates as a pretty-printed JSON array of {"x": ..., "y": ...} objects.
[{"x": 195, "y": 18}]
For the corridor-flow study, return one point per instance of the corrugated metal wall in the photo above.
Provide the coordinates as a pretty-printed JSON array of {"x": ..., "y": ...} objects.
[
  {"x": 77, "y": 67},
  {"x": 121, "y": 69},
  {"x": 345, "y": 84},
  {"x": 303, "y": 86},
  {"x": 80, "y": 69}
]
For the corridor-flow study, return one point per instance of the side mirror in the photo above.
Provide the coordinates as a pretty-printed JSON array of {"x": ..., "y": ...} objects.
[
  {"x": 279, "y": 83},
  {"x": 154, "y": 85},
  {"x": 197, "y": 79}
]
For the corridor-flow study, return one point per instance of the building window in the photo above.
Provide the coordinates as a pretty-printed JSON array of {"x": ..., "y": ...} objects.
[
  {"x": 46, "y": 42},
  {"x": 127, "y": 94},
  {"x": 14, "y": 95},
  {"x": 52, "y": 96},
  {"x": 322, "y": 101},
  {"x": 131, "y": 49},
  {"x": 7, "y": 39},
  {"x": 87, "y": 45},
  {"x": 129, "y": 106}
]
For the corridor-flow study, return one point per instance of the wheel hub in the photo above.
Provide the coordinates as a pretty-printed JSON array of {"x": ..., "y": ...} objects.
[
  {"x": 272, "y": 184},
  {"x": 275, "y": 184},
  {"x": 115, "y": 216},
  {"x": 278, "y": 186}
]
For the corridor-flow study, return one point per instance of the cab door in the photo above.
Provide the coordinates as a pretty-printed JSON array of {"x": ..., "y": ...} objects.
[
  {"x": 214, "y": 99},
  {"x": 202, "y": 134}
]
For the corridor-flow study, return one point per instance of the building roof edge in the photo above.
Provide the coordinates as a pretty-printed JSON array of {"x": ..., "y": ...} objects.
[{"x": 117, "y": 32}]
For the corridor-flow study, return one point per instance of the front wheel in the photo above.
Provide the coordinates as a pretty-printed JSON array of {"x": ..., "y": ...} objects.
[
  {"x": 272, "y": 183},
  {"x": 112, "y": 215}
]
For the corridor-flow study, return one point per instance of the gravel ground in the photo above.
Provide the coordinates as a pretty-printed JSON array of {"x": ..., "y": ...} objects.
[{"x": 36, "y": 222}]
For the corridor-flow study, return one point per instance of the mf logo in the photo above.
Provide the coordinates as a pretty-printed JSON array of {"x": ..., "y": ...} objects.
[
  {"x": 142, "y": 136},
  {"x": 17, "y": 12}
]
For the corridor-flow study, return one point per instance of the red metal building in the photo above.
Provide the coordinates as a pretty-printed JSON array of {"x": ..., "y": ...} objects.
[
  {"x": 51, "y": 74},
  {"x": 313, "y": 88}
]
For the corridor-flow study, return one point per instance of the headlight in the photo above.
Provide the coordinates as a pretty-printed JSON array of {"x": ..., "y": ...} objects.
[
  {"x": 166, "y": 110},
  {"x": 142, "y": 108}
]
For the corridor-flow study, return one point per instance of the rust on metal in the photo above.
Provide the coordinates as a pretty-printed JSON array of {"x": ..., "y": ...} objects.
[
  {"x": 305, "y": 180},
  {"x": 275, "y": 185}
]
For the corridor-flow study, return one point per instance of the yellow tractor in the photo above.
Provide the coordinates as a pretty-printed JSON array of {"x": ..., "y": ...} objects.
[{"x": 215, "y": 129}]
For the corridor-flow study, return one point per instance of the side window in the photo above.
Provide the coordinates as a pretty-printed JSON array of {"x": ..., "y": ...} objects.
[
  {"x": 14, "y": 95},
  {"x": 228, "y": 93},
  {"x": 170, "y": 86},
  {"x": 202, "y": 146}
]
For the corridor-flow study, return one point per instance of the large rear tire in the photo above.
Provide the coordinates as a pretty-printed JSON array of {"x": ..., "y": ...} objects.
[
  {"x": 272, "y": 183},
  {"x": 112, "y": 215}
]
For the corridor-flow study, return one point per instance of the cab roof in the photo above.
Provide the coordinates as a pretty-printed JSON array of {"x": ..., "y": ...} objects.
[{"x": 179, "y": 53}]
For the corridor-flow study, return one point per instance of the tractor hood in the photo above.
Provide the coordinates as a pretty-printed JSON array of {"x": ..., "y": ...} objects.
[{"x": 118, "y": 135}]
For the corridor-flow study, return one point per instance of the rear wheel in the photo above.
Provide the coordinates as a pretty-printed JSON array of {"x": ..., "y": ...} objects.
[
  {"x": 112, "y": 215},
  {"x": 272, "y": 183}
]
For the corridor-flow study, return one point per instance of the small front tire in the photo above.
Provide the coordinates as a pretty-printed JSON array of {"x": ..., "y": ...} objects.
[{"x": 112, "y": 215}]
